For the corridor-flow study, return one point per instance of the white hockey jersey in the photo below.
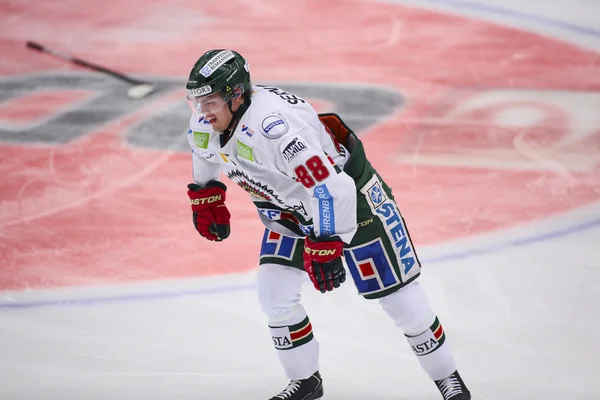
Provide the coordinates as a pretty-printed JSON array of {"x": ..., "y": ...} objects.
[{"x": 288, "y": 162}]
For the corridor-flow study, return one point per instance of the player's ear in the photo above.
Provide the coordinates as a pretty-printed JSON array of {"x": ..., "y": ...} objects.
[{"x": 238, "y": 99}]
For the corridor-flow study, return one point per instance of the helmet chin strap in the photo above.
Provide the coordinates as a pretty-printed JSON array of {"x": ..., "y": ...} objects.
[{"x": 235, "y": 119}]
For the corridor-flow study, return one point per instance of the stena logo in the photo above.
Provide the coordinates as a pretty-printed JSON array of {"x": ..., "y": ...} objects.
[
  {"x": 389, "y": 214},
  {"x": 274, "y": 126}
]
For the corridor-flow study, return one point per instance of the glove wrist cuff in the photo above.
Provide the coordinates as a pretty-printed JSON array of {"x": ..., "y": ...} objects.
[
  {"x": 215, "y": 184},
  {"x": 194, "y": 187}
]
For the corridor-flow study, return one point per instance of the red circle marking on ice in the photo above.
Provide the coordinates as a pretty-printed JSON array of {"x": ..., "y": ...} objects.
[{"x": 494, "y": 132}]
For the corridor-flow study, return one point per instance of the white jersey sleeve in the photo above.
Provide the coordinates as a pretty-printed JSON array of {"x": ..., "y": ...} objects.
[
  {"x": 204, "y": 170},
  {"x": 205, "y": 166},
  {"x": 332, "y": 192}
]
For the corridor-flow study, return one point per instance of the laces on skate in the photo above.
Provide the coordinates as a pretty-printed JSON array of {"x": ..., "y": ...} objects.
[
  {"x": 450, "y": 387},
  {"x": 289, "y": 390}
]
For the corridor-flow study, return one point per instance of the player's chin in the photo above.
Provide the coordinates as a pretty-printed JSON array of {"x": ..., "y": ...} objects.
[
  {"x": 218, "y": 127},
  {"x": 215, "y": 122}
]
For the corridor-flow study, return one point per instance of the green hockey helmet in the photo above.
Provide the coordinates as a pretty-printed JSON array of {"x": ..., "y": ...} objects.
[{"x": 224, "y": 72}]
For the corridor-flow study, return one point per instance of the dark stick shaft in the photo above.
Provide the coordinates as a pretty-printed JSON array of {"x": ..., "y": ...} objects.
[{"x": 83, "y": 63}]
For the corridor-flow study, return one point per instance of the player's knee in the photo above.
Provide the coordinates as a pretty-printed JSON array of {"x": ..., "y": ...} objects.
[
  {"x": 277, "y": 309},
  {"x": 409, "y": 308},
  {"x": 278, "y": 290},
  {"x": 290, "y": 316}
]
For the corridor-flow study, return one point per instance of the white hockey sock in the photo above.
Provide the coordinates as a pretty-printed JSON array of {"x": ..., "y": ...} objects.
[
  {"x": 433, "y": 352},
  {"x": 409, "y": 309},
  {"x": 294, "y": 341}
]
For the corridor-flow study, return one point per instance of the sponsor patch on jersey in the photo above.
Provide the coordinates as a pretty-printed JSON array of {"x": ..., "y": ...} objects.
[
  {"x": 376, "y": 195},
  {"x": 295, "y": 147},
  {"x": 245, "y": 151},
  {"x": 326, "y": 213},
  {"x": 201, "y": 91},
  {"x": 249, "y": 132},
  {"x": 215, "y": 62},
  {"x": 274, "y": 126},
  {"x": 201, "y": 139},
  {"x": 388, "y": 213}
]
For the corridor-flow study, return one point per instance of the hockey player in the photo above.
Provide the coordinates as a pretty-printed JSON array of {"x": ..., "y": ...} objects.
[{"x": 321, "y": 202}]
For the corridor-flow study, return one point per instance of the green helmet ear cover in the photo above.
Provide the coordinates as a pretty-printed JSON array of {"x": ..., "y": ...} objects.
[{"x": 224, "y": 71}]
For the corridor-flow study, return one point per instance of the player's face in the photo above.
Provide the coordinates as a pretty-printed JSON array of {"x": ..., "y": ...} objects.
[
  {"x": 220, "y": 119},
  {"x": 214, "y": 109}
]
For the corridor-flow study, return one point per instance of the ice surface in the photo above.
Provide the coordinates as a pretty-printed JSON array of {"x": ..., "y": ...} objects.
[{"x": 493, "y": 152}]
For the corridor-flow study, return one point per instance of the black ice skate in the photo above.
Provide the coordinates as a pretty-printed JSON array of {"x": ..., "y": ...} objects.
[
  {"x": 305, "y": 389},
  {"x": 453, "y": 388}
]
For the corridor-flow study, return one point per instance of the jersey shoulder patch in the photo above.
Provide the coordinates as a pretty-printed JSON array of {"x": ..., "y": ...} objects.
[
  {"x": 290, "y": 149},
  {"x": 274, "y": 126}
]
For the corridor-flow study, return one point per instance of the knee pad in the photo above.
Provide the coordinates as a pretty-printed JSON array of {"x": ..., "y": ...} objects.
[
  {"x": 293, "y": 316},
  {"x": 409, "y": 308},
  {"x": 278, "y": 290}
]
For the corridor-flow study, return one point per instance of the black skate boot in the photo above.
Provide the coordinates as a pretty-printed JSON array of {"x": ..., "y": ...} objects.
[
  {"x": 453, "y": 388},
  {"x": 305, "y": 389}
]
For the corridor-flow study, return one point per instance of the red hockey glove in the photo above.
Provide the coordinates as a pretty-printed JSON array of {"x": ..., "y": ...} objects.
[
  {"x": 211, "y": 217},
  {"x": 323, "y": 262}
]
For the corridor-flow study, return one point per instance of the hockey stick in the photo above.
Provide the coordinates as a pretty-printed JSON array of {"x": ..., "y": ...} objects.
[{"x": 139, "y": 90}]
